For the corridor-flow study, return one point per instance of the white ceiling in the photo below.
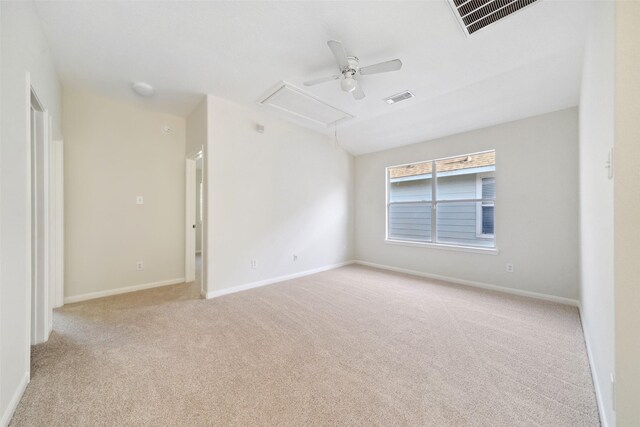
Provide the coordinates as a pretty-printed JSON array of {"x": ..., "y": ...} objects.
[{"x": 526, "y": 65}]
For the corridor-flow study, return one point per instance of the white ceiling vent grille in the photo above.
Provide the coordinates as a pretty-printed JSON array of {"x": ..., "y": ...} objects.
[
  {"x": 474, "y": 15},
  {"x": 290, "y": 100},
  {"x": 399, "y": 97}
]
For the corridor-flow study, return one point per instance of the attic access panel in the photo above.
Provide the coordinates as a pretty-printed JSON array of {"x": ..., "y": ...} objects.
[
  {"x": 295, "y": 102},
  {"x": 474, "y": 15}
]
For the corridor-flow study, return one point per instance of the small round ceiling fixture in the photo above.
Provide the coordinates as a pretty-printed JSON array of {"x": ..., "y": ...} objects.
[{"x": 143, "y": 89}]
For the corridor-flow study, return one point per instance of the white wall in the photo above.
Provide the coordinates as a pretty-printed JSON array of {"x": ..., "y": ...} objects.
[
  {"x": 24, "y": 49},
  {"x": 627, "y": 214},
  {"x": 272, "y": 195},
  {"x": 2, "y": 405},
  {"x": 115, "y": 152},
  {"x": 197, "y": 196},
  {"x": 536, "y": 207},
  {"x": 596, "y": 202},
  {"x": 196, "y": 129}
]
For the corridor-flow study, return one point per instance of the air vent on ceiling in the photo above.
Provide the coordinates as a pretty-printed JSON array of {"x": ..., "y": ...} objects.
[
  {"x": 399, "y": 97},
  {"x": 474, "y": 15},
  {"x": 290, "y": 100}
]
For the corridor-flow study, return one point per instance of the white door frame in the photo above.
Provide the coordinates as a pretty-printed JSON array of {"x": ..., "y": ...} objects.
[
  {"x": 191, "y": 187},
  {"x": 39, "y": 132},
  {"x": 56, "y": 217},
  {"x": 190, "y": 221}
]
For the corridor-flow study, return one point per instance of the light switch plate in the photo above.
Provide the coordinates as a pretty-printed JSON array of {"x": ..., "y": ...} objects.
[
  {"x": 609, "y": 164},
  {"x": 140, "y": 200}
]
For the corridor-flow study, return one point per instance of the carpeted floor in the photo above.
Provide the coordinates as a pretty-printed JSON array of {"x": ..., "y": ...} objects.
[{"x": 351, "y": 346}]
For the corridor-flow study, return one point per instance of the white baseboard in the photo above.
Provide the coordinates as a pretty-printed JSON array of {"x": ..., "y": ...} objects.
[
  {"x": 124, "y": 290},
  {"x": 594, "y": 372},
  {"x": 247, "y": 286},
  {"x": 15, "y": 399},
  {"x": 536, "y": 295},
  {"x": 474, "y": 284}
]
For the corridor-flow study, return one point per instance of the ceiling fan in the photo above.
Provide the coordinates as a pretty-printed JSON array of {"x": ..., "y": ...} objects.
[{"x": 350, "y": 70}]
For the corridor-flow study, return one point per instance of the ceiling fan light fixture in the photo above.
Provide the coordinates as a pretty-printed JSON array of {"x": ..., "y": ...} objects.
[
  {"x": 349, "y": 68},
  {"x": 348, "y": 84}
]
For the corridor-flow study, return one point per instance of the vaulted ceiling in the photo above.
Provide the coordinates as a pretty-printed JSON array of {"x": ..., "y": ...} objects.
[{"x": 528, "y": 64}]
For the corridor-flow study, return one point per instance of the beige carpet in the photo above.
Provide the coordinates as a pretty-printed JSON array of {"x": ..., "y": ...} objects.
[{"x": 352, "y": 346}]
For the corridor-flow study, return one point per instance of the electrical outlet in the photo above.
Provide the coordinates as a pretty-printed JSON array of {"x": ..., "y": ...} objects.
[
  {"x": 295, "y": 257},
  {"x": 254, "y": 263},
  {"x": 140, "y": 200},
  {"x": 139, "y": 265},
  {"x": 509, "y": 268}
]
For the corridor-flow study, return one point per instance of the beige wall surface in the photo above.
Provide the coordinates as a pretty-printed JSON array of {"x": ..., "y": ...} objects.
[
  {"x": 24, "y": 50},
  {"x": 536, "y": 207},
  {"x": 271, "y": 195},
  {"x": 627, "y": 214},
  {"x": 115, "y": 152}
]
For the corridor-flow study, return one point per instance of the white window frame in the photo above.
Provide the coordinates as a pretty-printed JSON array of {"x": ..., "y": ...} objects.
[
  {"x": 433, "y": 243},
  {"x": 479, "y": 233}
]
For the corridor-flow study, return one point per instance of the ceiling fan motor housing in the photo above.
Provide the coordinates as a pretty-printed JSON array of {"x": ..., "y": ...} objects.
[
  {"x": 353, "y": 65},
  {"x": 348, "y": 82}
]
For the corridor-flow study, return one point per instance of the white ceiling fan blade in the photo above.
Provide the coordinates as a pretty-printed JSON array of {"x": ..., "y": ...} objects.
[
  {"x": 338, "y": 53},
  {"x": 321, "y": 80},
  {"x": 358, "y": 93},
  {"x": 382, "y": 67}
]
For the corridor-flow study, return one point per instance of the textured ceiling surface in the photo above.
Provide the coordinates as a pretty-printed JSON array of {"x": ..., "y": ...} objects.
[{"x": 528, "y": 64}]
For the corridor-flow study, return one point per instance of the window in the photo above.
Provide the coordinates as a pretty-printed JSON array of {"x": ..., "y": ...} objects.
[
  {"x": 447, "y": 201},
  {"x": 486, "y": 190}
]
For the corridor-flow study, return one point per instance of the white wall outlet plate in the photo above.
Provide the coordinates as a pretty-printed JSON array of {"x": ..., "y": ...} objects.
[
  {"x": 139, "y": 265},
  {"x": 509, "y": 268},
  {"x": 139, "y": 200}
]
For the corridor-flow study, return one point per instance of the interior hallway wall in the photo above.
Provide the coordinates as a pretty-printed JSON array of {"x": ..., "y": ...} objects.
[
  {"x": 24, "y": 50},
  {"x": 596, "y": 202},
  {"x": 272, "y": 195},
  {"x": 115, "y": 152}
]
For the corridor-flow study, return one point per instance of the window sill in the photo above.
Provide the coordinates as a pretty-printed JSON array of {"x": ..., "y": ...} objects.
[{"x": 486, "y": 251}]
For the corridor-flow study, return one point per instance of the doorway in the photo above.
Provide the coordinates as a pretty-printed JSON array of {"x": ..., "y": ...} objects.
[
  {"x": 199, "y": 196},
  {"x": 194, "y": 221},
  {"x": 41, "y": 304}
]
